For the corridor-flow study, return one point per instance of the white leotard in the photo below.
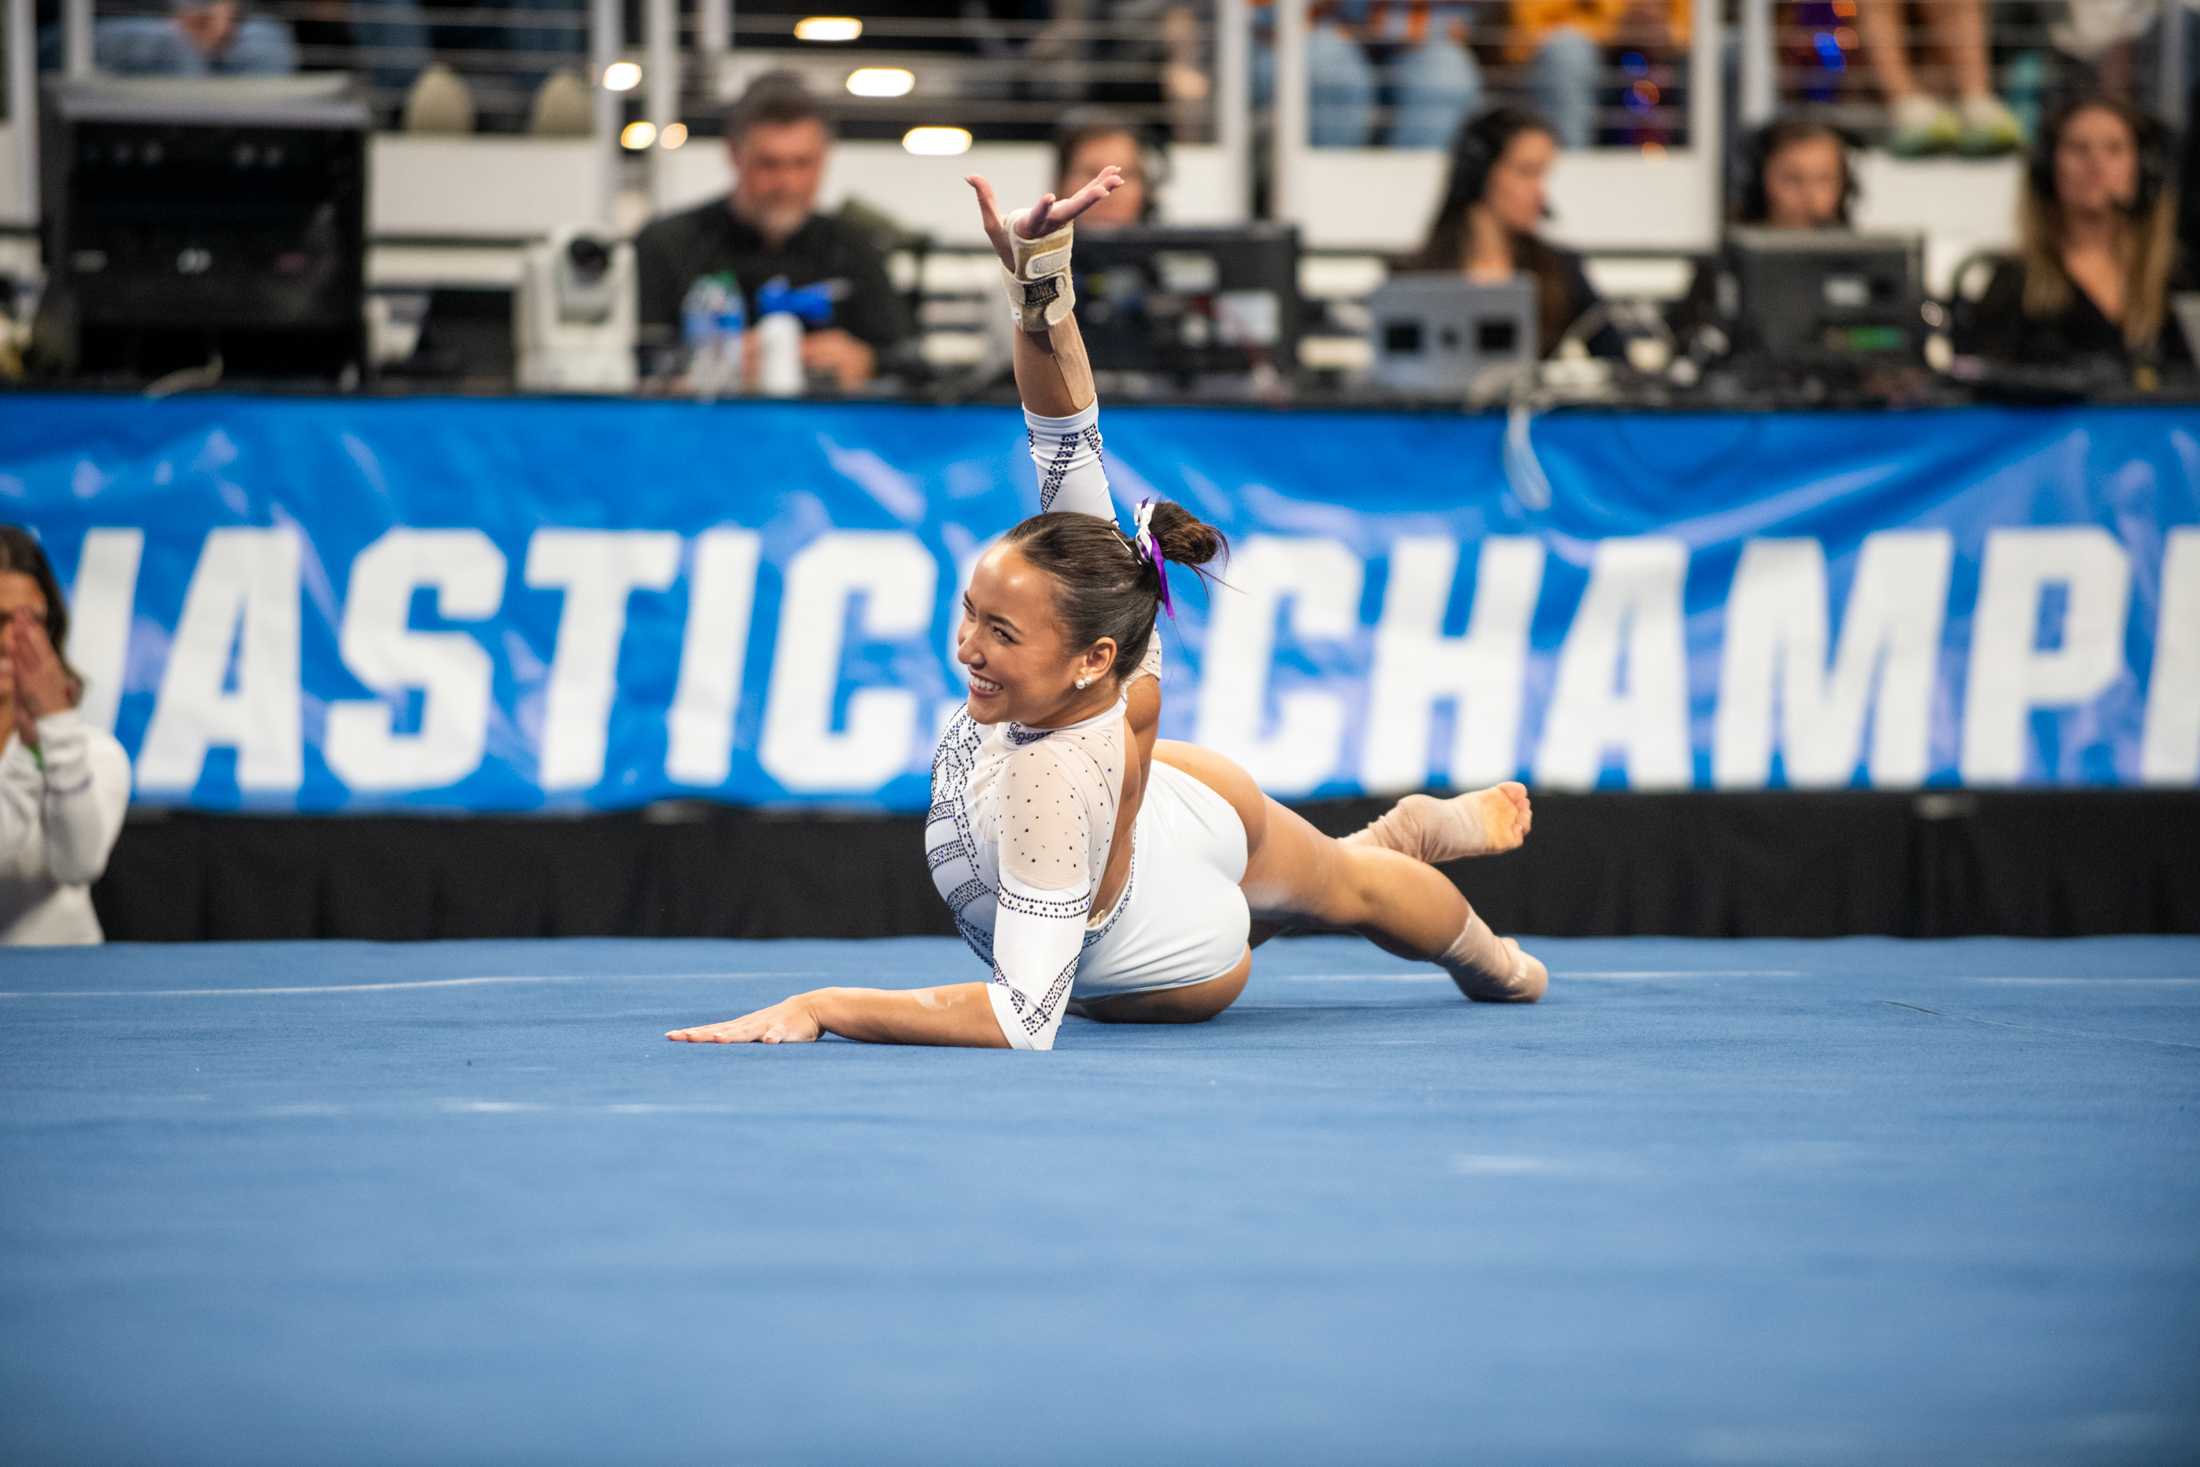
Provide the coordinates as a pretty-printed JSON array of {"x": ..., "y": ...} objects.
[{"x": 1022, "y": 818}]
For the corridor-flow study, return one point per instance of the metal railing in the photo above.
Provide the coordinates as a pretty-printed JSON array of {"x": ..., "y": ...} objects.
[
  {"x": 1186, "y": 71},
  {"x": 1151, "y": 64}
]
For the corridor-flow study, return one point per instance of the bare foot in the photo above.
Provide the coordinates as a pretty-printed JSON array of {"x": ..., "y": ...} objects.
[{"x": 1485, "y": 822}]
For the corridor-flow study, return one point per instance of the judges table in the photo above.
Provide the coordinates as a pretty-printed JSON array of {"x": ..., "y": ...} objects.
[{"x": 418, "y": 606}]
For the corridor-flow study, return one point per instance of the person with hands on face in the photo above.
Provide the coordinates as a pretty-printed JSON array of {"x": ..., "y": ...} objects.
[
  {"x": 64, "y": 784},
  {"x": 1094, "y": 868}
]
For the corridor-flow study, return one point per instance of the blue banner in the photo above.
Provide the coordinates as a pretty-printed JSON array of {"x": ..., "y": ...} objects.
[{"x": 528, "y": 604}]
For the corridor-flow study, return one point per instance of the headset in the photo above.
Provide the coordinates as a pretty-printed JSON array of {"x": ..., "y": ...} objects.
[
  {"x": 2153, "y": 139},
  {"x": 1153, "y": 148},
  {"x": 1766, "y": 142}
]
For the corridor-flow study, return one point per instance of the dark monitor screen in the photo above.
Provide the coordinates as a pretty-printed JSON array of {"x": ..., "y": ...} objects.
[
  {"x": 222, "y": 219},
  {"x": 1816, "y": 297},
  {"x": 1496, "y": 336},
  {"x": 1187, "y": 302}
]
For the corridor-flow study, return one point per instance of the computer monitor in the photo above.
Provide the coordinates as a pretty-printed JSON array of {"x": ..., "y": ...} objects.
[
  {"x": 1446, "y": 335},
  {"x": 219, "y": 217},
  {"x": 1824, "y": 298},
  {"x": 1189, "y": 303}
]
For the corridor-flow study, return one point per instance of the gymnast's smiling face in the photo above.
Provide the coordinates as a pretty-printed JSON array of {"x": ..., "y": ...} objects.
[{"x": 1010, "y": 645}]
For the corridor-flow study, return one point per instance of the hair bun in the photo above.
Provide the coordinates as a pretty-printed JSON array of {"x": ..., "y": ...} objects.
[{"x": 1183, "y": 537}]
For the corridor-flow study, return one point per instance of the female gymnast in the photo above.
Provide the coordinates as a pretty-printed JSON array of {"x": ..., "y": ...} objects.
[{"x": 1099, "y": 870}]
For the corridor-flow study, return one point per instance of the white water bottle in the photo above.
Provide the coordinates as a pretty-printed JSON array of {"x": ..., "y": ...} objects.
[{"x": 779, "y": 355}]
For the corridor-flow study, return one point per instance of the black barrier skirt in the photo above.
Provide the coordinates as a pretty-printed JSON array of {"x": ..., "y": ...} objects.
[{"x": 1940, "y": 864}]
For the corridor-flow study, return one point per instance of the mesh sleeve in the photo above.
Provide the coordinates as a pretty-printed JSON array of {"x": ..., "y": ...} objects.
[
  {"x": 1047, "y": 878},
  {"x": 1150, "y": 664},
  {"x": 1067, "y": 451}
]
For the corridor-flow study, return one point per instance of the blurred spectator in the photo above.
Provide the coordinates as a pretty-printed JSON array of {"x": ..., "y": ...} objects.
[
  {"x": 547, "y": 62},
  {"x": 1138, "y": 55},
  {"x": 1410, "y": 56},
  {"x": 63, "y": 784},
  {"x": 194, "y": 38},
  {"x": 2115, "y": 48},
  {"x": 1486, "y": 227},
  {"x": 1568, "y": 46},
  {"x": 390, "y": 45},
  {"x": 2098, "y": 253},
  {"x": 777, "y": 139},
  {"x": 1088, "y": 141},
  {"x": 1796, "y": 174},
  {"x": 1978, "y": 123}
]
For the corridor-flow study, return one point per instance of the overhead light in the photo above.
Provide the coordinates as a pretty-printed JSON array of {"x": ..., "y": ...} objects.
[
  {"x": 622, "y": 76},
  {"x": 936, "y": 142},
  {"x": 881, "y": 81},
  {"x": 675, "y": 134},
  {"x": 827, "y": 28},
  {"x": 636, "y": 136}
]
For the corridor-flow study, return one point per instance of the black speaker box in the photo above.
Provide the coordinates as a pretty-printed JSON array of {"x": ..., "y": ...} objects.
[{"x": 185, "y": 222}]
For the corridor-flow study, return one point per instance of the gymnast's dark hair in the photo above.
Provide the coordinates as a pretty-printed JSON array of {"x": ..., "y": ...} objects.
[
  {"x": 1109, "y": 587},
  {"x": 20, "y": 552}
]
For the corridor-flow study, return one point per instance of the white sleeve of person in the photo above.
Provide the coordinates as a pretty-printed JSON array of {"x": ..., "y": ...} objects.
[
  {"x": 22, "y": 783},
  {"x": 1067, "y": 451},
  {"x": 1047, "y": 882},
  {"x": 87, "y": 793}
]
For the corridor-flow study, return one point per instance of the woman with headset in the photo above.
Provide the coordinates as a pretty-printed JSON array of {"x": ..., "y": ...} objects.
[
  {"x": 1486, "y": 227},
  {"x": 1091, "y": 139},
  {"x": 1797, "y": 173},
  {"x": 2098, "y": 255}
]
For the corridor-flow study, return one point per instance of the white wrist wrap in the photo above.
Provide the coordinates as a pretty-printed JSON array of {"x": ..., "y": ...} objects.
[{"x": 1039, "y": 290}]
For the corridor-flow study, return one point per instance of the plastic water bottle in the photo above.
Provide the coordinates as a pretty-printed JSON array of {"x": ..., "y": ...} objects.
[
  {"x": 779, "y": 355},
  {"x": 783, "y": 312},
  {"x": 712, "y": 319}
]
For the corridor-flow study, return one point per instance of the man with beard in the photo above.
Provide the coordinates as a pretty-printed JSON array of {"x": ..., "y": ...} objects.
[{"x": 777, "y": 138}]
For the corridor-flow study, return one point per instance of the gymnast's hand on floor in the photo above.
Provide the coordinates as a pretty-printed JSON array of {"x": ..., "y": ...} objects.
[
  {"x": 790, "y": 1021},
  {"x": 1049, "y": 214}
]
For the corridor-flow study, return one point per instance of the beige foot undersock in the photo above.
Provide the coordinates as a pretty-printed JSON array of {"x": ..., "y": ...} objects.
[
  {"x": 1478, "y": 823},
  {"x": 1493, "y": 969}
]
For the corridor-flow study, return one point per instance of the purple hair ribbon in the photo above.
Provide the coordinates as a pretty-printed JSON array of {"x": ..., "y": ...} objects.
[{"x": 1143, "y": 543}]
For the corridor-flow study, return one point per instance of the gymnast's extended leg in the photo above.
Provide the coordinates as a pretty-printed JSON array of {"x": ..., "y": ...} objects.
[{"x": 1402, "y": 904}]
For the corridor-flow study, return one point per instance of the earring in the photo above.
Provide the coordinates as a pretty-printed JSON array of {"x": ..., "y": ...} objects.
[{"x": 1082, "y": 683}]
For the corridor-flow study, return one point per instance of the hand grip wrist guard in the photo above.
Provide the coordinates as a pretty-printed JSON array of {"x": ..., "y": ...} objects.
[{"x": 1039, "y": 289}]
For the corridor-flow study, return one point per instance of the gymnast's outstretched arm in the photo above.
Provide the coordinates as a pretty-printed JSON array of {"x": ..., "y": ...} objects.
[
  {"x": 1054, "y": 379},
  {"x": 1052, "y": 375},
  {"x": 953, "y": 1013}
]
